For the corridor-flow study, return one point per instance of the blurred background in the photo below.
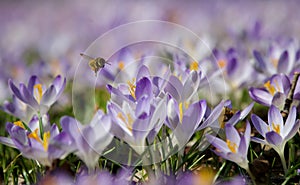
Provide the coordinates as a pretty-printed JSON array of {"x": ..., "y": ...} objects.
[{"x": 45, "y": 38}]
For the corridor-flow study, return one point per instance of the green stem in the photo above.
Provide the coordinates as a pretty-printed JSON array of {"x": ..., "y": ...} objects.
[
  {"x": 41, "y": 125},
  {"x": 251, "y": 175},
  {"x": 283, "y": 162}
]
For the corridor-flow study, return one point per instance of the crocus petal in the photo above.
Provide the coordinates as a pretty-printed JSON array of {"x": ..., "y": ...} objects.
[
  {"x": 293, "y": 131},
  {"x": 7, "y": 141},
  {"x": 234, "y": 119},
  {"x": 246, "y": 111},
  {"x": 15, "y": 90},
  {"x": 174, "y": 87},
  {"x": 143, "y": 87},
  {"x": 172, "y": 113},
  {"x": 29, "y": 99},
  {"x": 283, "y": 62},
  {"x": 290, "y": 122},
  {"x": 279, "y": 99},
  {"x": 232, "y": 134},
  {"x": 49, "y": 97},
  {"x": 190, "y": 86},
  {"x": 214, "y": 115},
  {"x": 143, "y": 72},
  {"x": 273, "y": 138},
  {"x": 247, "y": 133},
  {"x": 259, "y": 59},
  {"x": 260, "y": 96},
  {"x": 32, "y": 81},
  {"x": 143, "y": 107},
  {"x": 260, "y": 125},
  {"x": 258, "y": 140},
  {"x": 218, "y": 143},
  {"x": 275, "y": 117}
]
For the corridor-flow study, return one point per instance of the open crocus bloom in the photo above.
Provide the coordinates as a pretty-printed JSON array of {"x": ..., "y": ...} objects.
[
  {"x": 89, "y": 140},
  {"x": 276, "y": 133},
  {"x": 44, "y": 148},
  {"x": 235, "y": 147},
  {"x": 36, "y": 95}
]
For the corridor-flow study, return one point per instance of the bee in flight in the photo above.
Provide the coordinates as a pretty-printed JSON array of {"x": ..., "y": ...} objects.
[{"x": 95, "y": 63}]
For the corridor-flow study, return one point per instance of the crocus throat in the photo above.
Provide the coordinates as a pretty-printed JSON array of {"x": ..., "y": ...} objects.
[
  {"x": 128, "y": 122},
  {"x": 194, "y": 66},
  {"x": 38, "y": 92},
  {"x": 19, "y": 123},
  {"x": 271, "y": 88},
  {"x": 222, "y": 63},
  {"x": 231, "y": 145},
  {"x": 276, "y": 128},
  {"x": 180, "y": 106},
  {"x": 34, "y": 135},
  {"x": 132, "y": 88}
]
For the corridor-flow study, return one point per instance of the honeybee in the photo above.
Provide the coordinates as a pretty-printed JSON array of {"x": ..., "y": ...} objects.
[{"x": 95, "y": 63}]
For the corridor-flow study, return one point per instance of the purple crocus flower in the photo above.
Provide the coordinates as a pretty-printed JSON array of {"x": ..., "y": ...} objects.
[
  {"x": 184, "y": 119},
  {"x": 137, "y": 111},
  {"x": 46, "y": 148},
  {"x": 276, "y": 133},
  {"x": 280, "y": 58},
  {"x": 89, "y": 141},
  {"x": 36, "y": 95},
  {"x": 274, "y": 92},
  {"x": 235, "y": 148}
]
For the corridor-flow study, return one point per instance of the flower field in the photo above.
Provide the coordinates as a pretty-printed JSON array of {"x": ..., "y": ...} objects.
[{"x": 154, "y": 93}]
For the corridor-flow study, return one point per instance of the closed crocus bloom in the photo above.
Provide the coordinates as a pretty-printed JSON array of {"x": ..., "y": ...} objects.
[
  {"x": 36, "y": 95},
  {"x": 90, "y": 140},
  {"x": 276, "y": 133}
]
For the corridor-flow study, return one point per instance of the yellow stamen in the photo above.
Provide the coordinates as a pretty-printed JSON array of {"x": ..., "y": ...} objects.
[
  {"x": 276, "y": 128},
  {"x": 46, "y": 139},
  {"x": 180, "y": 112},
  {"x": 132, "y": 88},
  {"x": 231, "y": 146},
  {"x": 180, "y": 106},
  {"x": 128, "y": 122},
  {"x": 34, "y": 135},
  {"x": 222, "y": 63},
  {"x": 38, "y": 92},
  {"x": 19, "y": 123},
  {"x": 194, "y": 66},
  {"x": 270, "y": 87},
  {"x": 121, "y": 65}
]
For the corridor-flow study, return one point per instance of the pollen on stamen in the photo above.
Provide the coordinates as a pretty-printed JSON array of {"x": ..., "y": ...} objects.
[
  {"x": 222, "y": 63},
  {"x": 38, "y": 92},
  {"x": 276, "y": 128},
  {"x": 34, "y": 135},
  {"x": 19, "y": 123},
  {"x": 231, "y": 146},
  {"x": 270, "y": 87},
  {"x": 46, "y": 140},
  {"x": 194, "y": 66},
  {"x": 132, "y": 89}
]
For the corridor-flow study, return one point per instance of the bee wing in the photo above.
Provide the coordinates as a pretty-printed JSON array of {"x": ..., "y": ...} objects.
[
  {"x": 86, "y": 56},
  {"x": 107, "y": 63}
]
